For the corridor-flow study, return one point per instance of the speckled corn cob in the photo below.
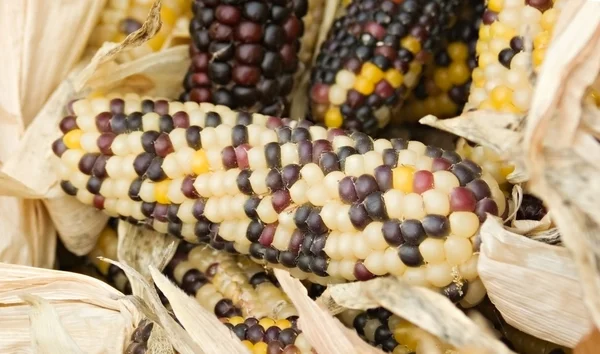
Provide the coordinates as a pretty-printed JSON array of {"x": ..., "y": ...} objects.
[
  {"x": 122, "y": 17},
  {"x": 372, "y": 59},
  {"x": 326, "y": 204},
  {"x": 244, "y": 54},
  {"x": 443, "y": 88},
  {"x": 106, "y": 246},
  {"x": 380, "y": 328},
  {"x": 501, "y": 80}
]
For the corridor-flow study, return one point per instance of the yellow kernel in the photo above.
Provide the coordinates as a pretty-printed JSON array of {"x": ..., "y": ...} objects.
[
  {"x": 364, "y": 85},
  {"x": 73, "y": 138},
  {"x": 157, "y": 41},
  {"x": 549, "y": 18},
  {"x": 260, "y": 348},
  {"x": 119, "y": 37},
  {"x": 415, "y": 67},
  {"x": 248, "y": 344},
  {"x": 102, "y": 266},
  {"x": 333, "y": 118},
  {"x": 478, "y": 77},
  {"x": 167, "y": 15},
  {"x": 200, "y": 162},
  {"x": 541, "y": 40},
  {"x": 481, "y": 47},
  {"x": 441, "y": 77},
  {"x": 506, "y": 169},
  {"x": 236, "y": 320},
  {"x": 458, "y": 51},
  {"x": 446, "y": 105},
  {"x": 266, "y": 322},
  {"x": 486, "y": 106},
  {"x": 510, "y": 108},
  {"x": 459, "y": 73},
  {"x": 402, "y": 178},
  {"x": 496, "y": 5},
  {"x": 500, "y": 30},
  {"x": 411, "y": 43},
  {"x": 161, "y": 190},
  {"x": 486, "y": 58},
  {"x": 371, "y": 72},
  {"x": 537, "y": 57},
  {"x": 500, "y": 96},
  {"x": 484, "y": 33},
  {"x": 394, "y": 77},
  {"x": 283, "y": 324}
]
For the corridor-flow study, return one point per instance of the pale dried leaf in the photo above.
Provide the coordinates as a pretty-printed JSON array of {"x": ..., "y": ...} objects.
[
  {"x": 329, "y": 16},
  {"x": 534, "y": 285},
  {"x": 47, "y": 332},
  {"x": 349, "y": 294},
  {"x": 205, "y": 329},
  {"x": 141, "y": 247},
  {"x": 180, "y": 339},
  {"x": 589, "y": 344},
  {"x": 159, "y": 343},
  {"x": 324, "y": 332}
]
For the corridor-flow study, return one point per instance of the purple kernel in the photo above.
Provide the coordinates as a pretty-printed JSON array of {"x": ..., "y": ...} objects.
[
  {"x": 296, "y": 241},
  {"x": 365, "y": 185},
  {"x": 228, "y": 157},
  {"x": 484, "y": 206},
  {"x": 391, "y": 232},
  {"x": 362, "y": 273},
  {"x": 104, "y": 143},
  {"x": 161, "y": 107},
  {"x": 187, "y": 188},
  {"x": 290, "y": 174},
  {"x": 383, "y": 176},
  {"x": 347, "y": 190},
  {"x": 117, "y": 106},
  {"x": 198, "y": 209},
  {"x": 479, "y": 188},
  {"x": 281, "y": 199},
  {"x": 87, "y": 162},
  {"x": 436, "y": 225},
  {"x": 160, "y": 212},
  {"x": 103, "y": 122},
  {"x": 59, "y": 147},
  {"x": 359, "y": 216},
  {"x": 67, "y": 124},
  {"x": 305, "y": 154},
  {"x": 99, "y": 169},
  {"x": 163, "y": 145},
  {"x": 320, "y": 146},
  {"x": 462, "y": 199},
  {"x": 274, "y": 180},
  {"x": 440, "y": 164}
]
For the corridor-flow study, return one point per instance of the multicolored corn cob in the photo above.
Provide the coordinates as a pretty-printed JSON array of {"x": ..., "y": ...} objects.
[
  {"x": 123, "y": 17},
  {"x": 380, "y": 328},
  {"x": 245, "y": 53},
  {"x": 444, "y": 87},
  {"x": 372, "y": 58},
  {"x": 510, "y": 30},
  {"x": 326, "y": 204}
]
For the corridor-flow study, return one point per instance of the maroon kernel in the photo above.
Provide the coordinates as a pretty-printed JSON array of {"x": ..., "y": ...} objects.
[
  {"x": 220, "y": 32},
  {"x": 383, "y": 89},
  {"x": 246, "y": 75},
  {"x": 281, "y": 199},
  {"x": 422, "y": 181},
  {"x": 59, "y": 147},
  {"x": 229, "y": 15},
  {"x": 200, "y": 79},
  {"x": 181, "y": 120},
  {"x": 200, "y": 61},
  {"x": 98, "y": 202},
  {"x": 200, "y": 95},
  {"x": 252, "y": 54},
  {"x": 249, "y": 32},
  {"x": 161, "y": 107},
  {"x": 241, "y": 154},
  {"x": 104, "y": 143},
  {"x": 362, "y": 273},
  {"x": 489, "y": 17},
  {"x": 67, "y": 124},
  {"x": 319, "y": 93},
  {"x": 375, "y": 29},
  {"x": 440, "y": 164},
  {"x": 103, "y": 122},
  {"x": 541, "y": 5},
  {"x": 117, "y": 106},
  {"x": 267, "y": 235},
  {"x": 163, "y": 145},
  {"x": 462, "y": 199},
  {"x": 292, "y": 28},
  {"x": 229, "y": 158}
]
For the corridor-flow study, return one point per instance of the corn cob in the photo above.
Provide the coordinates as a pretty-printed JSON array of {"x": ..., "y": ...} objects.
[
  {"x": 444, "y": 86},
  {"x": 509, "y": 30},
  {"x": 372, "y": 58},
  {"x": 122, "y": 17},
  {"x": 244, "y": 54},
  {"x": 325, "y": 204},
  {"x": 380, "y": 328}
]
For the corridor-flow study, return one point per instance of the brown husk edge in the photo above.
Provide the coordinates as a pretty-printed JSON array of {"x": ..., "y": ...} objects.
[{"x": 556, "y": 154}]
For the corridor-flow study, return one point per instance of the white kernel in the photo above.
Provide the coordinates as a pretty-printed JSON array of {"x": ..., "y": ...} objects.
[
  {"x": 354, "y": 165},
  {"x": 259, "y": 119},
  {"x": 445, "y": 181},
  {"x": 174, "y": 193},
  {"x": 254, "y": 134},
  {"x": 268, "y": 136},
  {"x": 412, "y": 206},
  {"x": 202, "y": 186},
  {"x": 107, "y": 189},
  {"x": 345, "y": 79},
  {"x": 312, "y": 174},
  {"x": 185, "y": 212},
  {"x": 340, "y": 141},
  {"x": 286, "y": 219},
  {"x": 417, "y": 146},
  {"x": 416, "y": 276},
  {"x": 331, "y": 182},
  {"x": 171, "y": 167},
  {"x": 265, "y": 211},
  {"x": 121, "y": 188},
  {"x": 114, "y": 167},
  {"x": 197, "y": 117},
  {"x": 184, "y": 159},
  {"x": 71, "y": 158},
  {"x": 495, "y": 46},
  {"x": 317, "y": 132},
  {"x": 298, "y": 192},
  {"x": 331, "y": 246},
  {"x": 468, "y": 270},
  {"x": 175, "y": 107},
  {"x": 510, "y": 17},
  {"x": 136, "y": 211},
  {"x": 89, "y": 142},
  {"x": 424, "y": 163},
  {"x": 134, "y": 140},
  {"x": 374, "y": 236},
  {"x": 375, "y": 263},
  {"x": 407, "y": 158},
  {"x": 522, "y": 98},
  {"x": 209, "y": 138},
  {"x": 393, "y": 203},
  {"x": 256, "y": 158},
  {"x": 128, "y": 169},
  {"x": 380, "y": 145},
  {"x": 150, "y": 121},
  {"x": 110, "y": 206},
  {"x": 372, "y": 161},
  {"x": 124, "y": 207},
  {"x": 214, "y": 159},
  {"x": 79, "y": 180},
  {"x": 178, "y": 139},
  {"x": 347, "y": 269},
  {"x": 439, "y": 274},
  {"x": 463, "y": 224},
  {"x": 215, "y": 183},
  {"x": 119, "y": 146},
  {"x": 393, "y": 264},
  {"x": 317, "y": 195},
  {"x": 282, "y": 237},
  {"x": 475, "y": 293},
  {"x": 289, "y": 154},
  {"x": 337, "y": 95},
  {"x": 85, "y": 197},
  {"x": 211, "y": 210},
  {"x": 343, "y": 219},
  {"x": 82, "y": 107},
  {"x": 329, "y": 215},
  {"x": 132, "y": 105},
  {"x": 520, "y": 61},
  {"x": 188, "y": 232},
  {"x": 229, "y": 117},
  {"x": 223, "y": 132},
  {"x": 432, "y": 250},
  {"x": 230, "y": 181},
  {"x": 360, "y": 248},
  {"x": 458, "y": 250},
  {"x": 147, "y": 191},
  {"x": 436, "y": 201},
  {"x": 258, "y": 181},
  {"x": 64, "y": 172}
]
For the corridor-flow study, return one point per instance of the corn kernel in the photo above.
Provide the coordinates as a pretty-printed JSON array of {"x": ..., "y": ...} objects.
[
  {"x": 500, "y": 30},
  {"x": 236, "y": 320},
  {"x": 403, "y": 178},
  {"x": 411, "y": 43},
  {"x": 283, "y": 324},
  {"x": 260, "y": 348},
  {"x": 459, "y": 73},
  {"x": 266, "y": 322},
  {"x": 478, "y": 77},
  {"x": 161, "y": 190},
  {"x": 442, "y": 79},
  {"x": 458, "y": 51},
  {"x": 364, "y": 85},
  {"x": 549, "y": 18},
  {"x": 73, "y": 138},
  {"x": 487, "y": 106},
  {"x": 333, "y": 118},
  {"x": 484, "y": 33},
  {"x": 371, "y": 72},
  {"x": 200, "y": 162},
  {"x": 394, "y": 77},
  {"x": 157, "y": 41},
  {"x": 537, "y": 57},
  {"x": 496, "y": 5},
  {"x": 500, "y": 96},
  {"x": 248, "y": 344},
  {"x": 541, "y": 40},
  {"x": 167, "y": 15}
]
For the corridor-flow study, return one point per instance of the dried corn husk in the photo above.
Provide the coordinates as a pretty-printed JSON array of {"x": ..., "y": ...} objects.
[{"x": 556, "y": 154}]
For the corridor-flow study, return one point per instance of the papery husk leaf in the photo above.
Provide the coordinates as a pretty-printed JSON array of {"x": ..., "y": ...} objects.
[
  {"x": 148, "y": 298},
  {"x": 140, "y": 247},
  {"x": 205, "y": 329},
  {"x": 82, "y": 304},
  {"x": 324, "y": 332},
  {"x": 562, "y": 158},
  {"x": 589, "y": 344},
  {"x": 534, "y": 285},
  {"x": 47, "y": 332},
  {"x": 426, "y": 309},
  {"x": 349, "y": 294},
  {"x": 329, "y": 16},
  {"x": 159, "y": 343}
]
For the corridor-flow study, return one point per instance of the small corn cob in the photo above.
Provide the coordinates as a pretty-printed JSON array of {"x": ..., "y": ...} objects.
[
  {"x": 328, "y": 205},
  {"x": 244, "y": 54},
  {"x": 106, "y": 246},
  {"x": 139, "y": 338},
  {"x": 372, "y": 58},
  {"x": 444, "y": 87},
  {"x": 501, "y": 80},
  {"x": 380, "y": 328},
  {"x": 122, "y": 17}
]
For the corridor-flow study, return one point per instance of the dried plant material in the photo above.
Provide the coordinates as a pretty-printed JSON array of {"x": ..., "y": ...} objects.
[
  {"x": 349, "y": 294},
  {"x": 329, "y": 16},
  {"x": 140, "y": 248},
  {"x": 159, "y": 343},
  {"x": 47, "y": 332},
  {"x": 206, "y": 330},
  {"x": 535, "y": 286},
  {"x": 561, "y": 156},
  {"x": 299, "y": 108},
  {"x": 324, "y": 332},
  {"x": 589, "y": 344},
  {"x": 82, "y": 304},
  {"x": 426, "y": 309},
  {"x": 148, "y": 299}
]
